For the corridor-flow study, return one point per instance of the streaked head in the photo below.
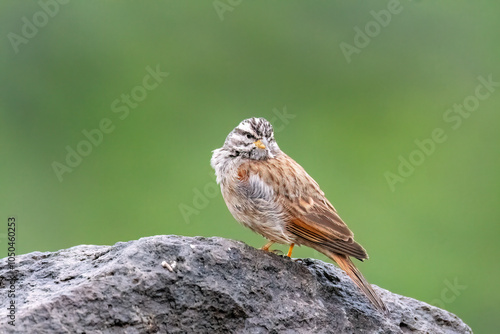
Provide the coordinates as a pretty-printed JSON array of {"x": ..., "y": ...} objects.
[{"x": 254, "y": 139}]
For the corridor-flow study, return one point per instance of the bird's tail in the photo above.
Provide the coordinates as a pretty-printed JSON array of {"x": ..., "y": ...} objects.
[{"x": 346, "y": 264}]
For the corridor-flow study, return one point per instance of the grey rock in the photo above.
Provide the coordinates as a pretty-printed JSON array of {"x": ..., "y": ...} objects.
[{"x": 173, "y": 284}]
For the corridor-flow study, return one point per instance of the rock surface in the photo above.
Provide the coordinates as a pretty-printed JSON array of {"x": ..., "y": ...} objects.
[{"x": 172, "y": 284}]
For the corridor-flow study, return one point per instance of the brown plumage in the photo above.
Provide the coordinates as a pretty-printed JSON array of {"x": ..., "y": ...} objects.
[{"x": 268, "y": 192}]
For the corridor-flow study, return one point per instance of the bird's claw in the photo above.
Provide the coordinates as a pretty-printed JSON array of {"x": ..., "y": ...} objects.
[{"x": 274, "y": 251}]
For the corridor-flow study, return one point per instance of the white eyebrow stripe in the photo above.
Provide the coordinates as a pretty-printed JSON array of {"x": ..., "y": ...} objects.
[{"x": 246, "y": 128}]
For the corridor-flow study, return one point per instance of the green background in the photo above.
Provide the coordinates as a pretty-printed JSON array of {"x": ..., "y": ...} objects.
[{"x": 351, "y": 123}]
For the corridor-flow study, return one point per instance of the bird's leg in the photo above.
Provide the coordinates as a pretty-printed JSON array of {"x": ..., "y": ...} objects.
[
  {"x": 266, "y": 246},
  {"x": 290, "y": 250}
]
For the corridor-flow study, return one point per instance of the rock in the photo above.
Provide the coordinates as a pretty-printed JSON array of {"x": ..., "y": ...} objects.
[{"x": 173, "y": 284}]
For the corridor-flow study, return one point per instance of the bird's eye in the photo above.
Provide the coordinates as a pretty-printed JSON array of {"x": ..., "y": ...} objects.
[{"x": 249, "y": 136}]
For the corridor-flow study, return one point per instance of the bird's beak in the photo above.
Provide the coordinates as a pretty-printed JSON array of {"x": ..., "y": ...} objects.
[{"x": 259, "y": 144}]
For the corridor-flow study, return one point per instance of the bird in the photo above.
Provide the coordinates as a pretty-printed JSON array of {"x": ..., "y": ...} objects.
[{"x": 271, "y": 194}]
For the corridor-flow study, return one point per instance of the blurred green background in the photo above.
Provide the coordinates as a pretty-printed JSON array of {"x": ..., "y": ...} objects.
[{"x": 346, "y": 122}]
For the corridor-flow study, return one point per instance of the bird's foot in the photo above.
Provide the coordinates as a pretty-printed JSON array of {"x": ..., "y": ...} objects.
[{"x": 265, "y": 248}]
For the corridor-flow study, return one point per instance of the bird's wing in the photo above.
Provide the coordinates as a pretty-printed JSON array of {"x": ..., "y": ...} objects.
[
  {"x": 310, "y": 216},
  {"x": 325, "y": 238}
]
